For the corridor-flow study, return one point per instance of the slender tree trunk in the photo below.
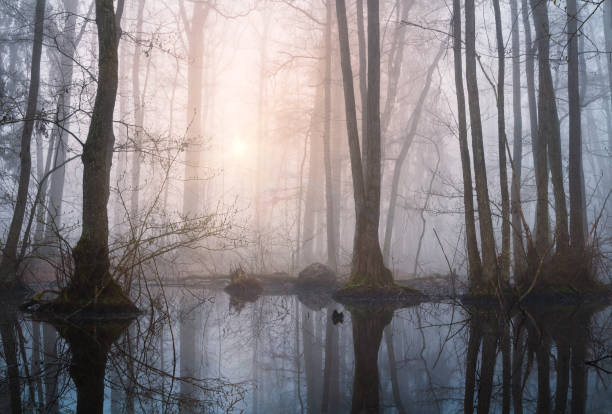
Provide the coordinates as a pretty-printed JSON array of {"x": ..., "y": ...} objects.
[
  {"x": 487, "y": 238},
  {"x": 332, "y": 243},
  {"x": 330, "y": 371},
  {"x": 315, "y": 176},
  {"x": 502, "y": 142},
  {"x": 517, "y": 147},
  {"x": 542, "y": 228},
  {"x": 195, "y": 36},
  {"x": 138, "y": 113},
  {"x": 577, "y": 231},
  {"x": 549, "y": 128},
  {"x": 413, "y": 124},
  {"x": 607, "y": 26},
  {"x": 474, "y": 264},
  {"x": 363, "y": 79},
  {"x": 471, "y": 360},
  {"x": 8, "y": 274}
]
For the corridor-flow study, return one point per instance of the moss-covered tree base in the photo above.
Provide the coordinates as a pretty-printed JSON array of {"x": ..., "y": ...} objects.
[
  {"x": 360, "y": 291},
  {"x": 109, "y": 303}
]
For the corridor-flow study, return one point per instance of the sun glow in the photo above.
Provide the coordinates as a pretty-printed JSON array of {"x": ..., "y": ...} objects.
[{"x": 239, "y": 147}]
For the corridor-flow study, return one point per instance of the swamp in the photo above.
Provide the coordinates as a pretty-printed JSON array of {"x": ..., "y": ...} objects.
[{"x": 296, "y": 206}]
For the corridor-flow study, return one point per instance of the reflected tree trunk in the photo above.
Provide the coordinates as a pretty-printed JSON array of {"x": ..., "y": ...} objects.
[
  {"x": 51, "y": 371},
  {"x": 397, "y": 396},
  {"x": 8, "y": 326},
  {"x": 368, "y": 326},
  {"x": 312, "y": 360},
  {"x": 471, "y": 359},
  {"x": 330, "y": 372}
]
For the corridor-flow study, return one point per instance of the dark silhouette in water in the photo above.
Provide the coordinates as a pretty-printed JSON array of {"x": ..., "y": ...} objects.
[
  {"x": 368, "y": 326},
  {"x": 337, "y": 317}
]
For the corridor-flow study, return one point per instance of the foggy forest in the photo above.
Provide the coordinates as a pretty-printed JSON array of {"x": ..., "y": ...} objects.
[{"x": 306, "y": 206}]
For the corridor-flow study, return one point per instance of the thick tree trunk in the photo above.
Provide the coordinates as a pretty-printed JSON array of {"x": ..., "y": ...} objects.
[
  {"x": 367, "y": 335},
  {"x": 92, "y": 276},
  {"x": 517, "y": 148},
  {"x": 474, "y": 264},
  {"x": 487, "y": 237},
  {"x": 8, "y": 274},
  {"x": 577, "y": 231},
  {"x": 548, "y": 133},
  {"x": 368, "y": 268},
  {"x": 501, "y": 133}
]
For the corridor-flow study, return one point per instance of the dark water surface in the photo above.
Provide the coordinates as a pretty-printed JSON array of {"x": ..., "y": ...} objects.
[{"x": 193, "y": 351}]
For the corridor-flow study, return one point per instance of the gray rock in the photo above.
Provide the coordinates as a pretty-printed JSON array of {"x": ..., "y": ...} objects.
[{"x": 316, "y": 274}]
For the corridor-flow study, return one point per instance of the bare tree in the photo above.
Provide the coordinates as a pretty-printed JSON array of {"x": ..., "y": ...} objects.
[
  {"x": 368, "y": 268},
  {"x": 489, "y": 259},
  {"x": 92, "y": 279},
  {"x": 8, "y": 274},
  {"x": 474, "y": 263}
]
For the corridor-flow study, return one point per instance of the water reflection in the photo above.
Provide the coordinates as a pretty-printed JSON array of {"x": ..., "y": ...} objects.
[{"x": 194, "y": 352}]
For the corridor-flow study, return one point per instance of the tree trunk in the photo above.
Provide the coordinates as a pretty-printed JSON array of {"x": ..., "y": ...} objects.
[
  {"x": 577, "y": 231},
  {"x": 607, "y": 26},
  {"x": 487, "y": 238},
  {"x": 91, "y": 257},
  {"x": 56, "y": 189},
  {"x": 9, "y": 263},
  {"x": 474, "y": 264},
  {"x": 329, "y": 401},
  {"x": 413, "y": 124},
  {"x": 367, "y": 335},
  {"x": 313, "y": 201},
  {"x": 517, "y": 148},
  {"x": 138, "y": 114},
  {"x": 332, "y": 243},
  {"x": 501, "y": 133},
  {"x": 548, "y": 133},
  {"x": 191, "y": 185},
  {"x": 363, "y": 79},
  {"x": 368, "y": 268}
]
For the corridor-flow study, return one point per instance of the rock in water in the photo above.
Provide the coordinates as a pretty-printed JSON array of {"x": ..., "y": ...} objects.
[{"x": 316, "y": 274}]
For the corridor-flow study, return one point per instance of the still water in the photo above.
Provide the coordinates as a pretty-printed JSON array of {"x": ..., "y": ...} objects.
[{"x": 194, "y": 351}]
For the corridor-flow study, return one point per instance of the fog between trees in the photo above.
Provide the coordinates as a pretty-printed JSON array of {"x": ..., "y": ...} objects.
[{"x": 453, "y": 137}]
